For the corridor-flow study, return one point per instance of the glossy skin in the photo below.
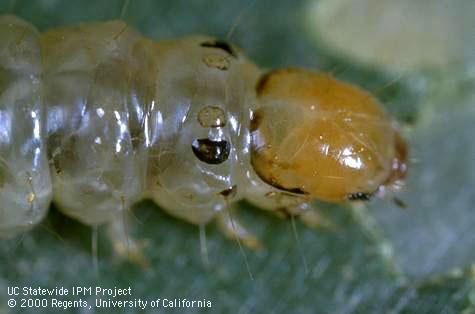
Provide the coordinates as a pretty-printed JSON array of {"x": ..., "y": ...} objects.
[
  {"x": 119, "y": 117},
  {"x": 25, "y": 184},
  {"x": 319, "y": 136}
]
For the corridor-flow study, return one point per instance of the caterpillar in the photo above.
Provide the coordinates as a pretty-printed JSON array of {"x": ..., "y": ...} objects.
[{"x": 96, "y": 117}]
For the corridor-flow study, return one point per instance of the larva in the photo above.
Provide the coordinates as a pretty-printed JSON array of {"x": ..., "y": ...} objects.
[{"x": 96, "y": 117}]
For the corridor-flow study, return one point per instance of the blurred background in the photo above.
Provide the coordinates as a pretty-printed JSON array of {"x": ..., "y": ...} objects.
[{"x": 418, "y": 57}]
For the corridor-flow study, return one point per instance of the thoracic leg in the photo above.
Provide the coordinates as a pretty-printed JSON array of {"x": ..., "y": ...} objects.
[
  {"x": 286, "y": 204},
  {"x": 123, "y": 243},
  {"x": 314, "y": 218},
  {"x": 229, "y": 224}
]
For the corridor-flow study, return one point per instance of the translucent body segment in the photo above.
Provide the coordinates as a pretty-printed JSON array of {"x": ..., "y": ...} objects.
[
  {"x": 25, "y": 186},
  {"x": 195, "y": 154},
  {"x": 88, "y": 85},
  {"x": 315, "y": 135}
]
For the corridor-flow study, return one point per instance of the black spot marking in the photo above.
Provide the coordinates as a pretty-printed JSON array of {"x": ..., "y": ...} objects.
[
  {"x": 211, "y": 152},
  {"x": 229, "y": 192},
  {"x": 359, "y": 196},
  {"x": 220, "y": 45}
]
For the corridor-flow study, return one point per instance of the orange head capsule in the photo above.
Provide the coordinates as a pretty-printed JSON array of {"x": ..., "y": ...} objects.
[{"x": 315, "y": 135}]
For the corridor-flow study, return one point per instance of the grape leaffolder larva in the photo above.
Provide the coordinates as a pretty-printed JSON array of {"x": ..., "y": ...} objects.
[{"x": 96, "y": 117}]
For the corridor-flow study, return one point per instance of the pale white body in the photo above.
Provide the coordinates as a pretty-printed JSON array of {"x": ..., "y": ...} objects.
[{"x": 97, "y": 117}]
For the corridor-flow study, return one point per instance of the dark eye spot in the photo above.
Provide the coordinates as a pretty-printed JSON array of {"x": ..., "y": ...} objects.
[
  {"x": 211, "y": 152},
  {"x": 359, "y": 196},
  {"x": 220, "y": 45}
]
